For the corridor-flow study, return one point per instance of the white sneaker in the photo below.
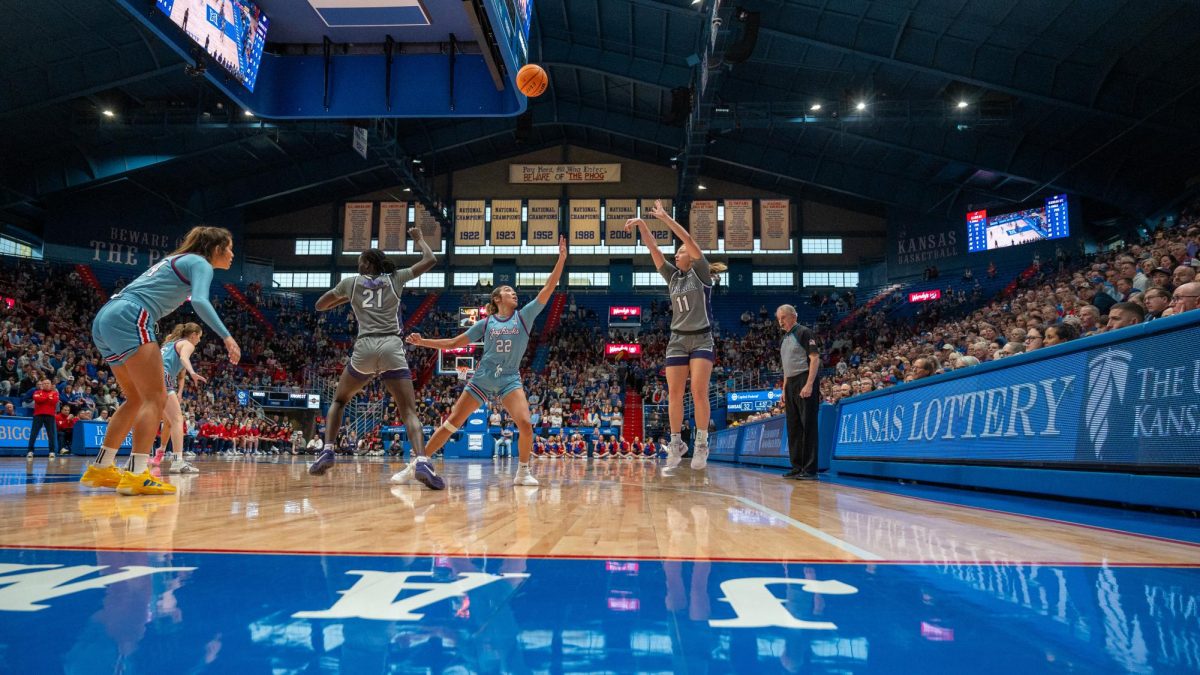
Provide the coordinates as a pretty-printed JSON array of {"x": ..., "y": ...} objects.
[
  {"x": 189, "y": 455},
  {"x": 182, "y": 467},
  {"x": 700, "y": 456},
  {"x": 675, "y": 451},
  {"x": 523, "y": 477},
  {"x": 406, "y": 476},
  {"x": 51, "y": 456},
  {"x": 29, "y": 455}
]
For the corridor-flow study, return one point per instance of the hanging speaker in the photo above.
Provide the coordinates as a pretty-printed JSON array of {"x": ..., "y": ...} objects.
[{"x": 741, "y": 50}]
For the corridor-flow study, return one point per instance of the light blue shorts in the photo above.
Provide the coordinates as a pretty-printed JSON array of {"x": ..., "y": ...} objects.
[
  {"x": 483, "y": 387},
  {"x": 120, "y": 327}
]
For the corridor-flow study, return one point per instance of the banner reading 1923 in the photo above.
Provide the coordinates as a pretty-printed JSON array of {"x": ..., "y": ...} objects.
[{"x": 564, "y": 173}]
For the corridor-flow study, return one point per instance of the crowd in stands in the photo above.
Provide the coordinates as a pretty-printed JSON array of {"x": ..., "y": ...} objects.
[
  {"x": 1050, "y": 303},
  {"x": 45, "y": 314}
]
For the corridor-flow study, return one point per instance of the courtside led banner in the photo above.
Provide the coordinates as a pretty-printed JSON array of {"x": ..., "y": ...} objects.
[
  {"x": 1131, "y": 402},
  {"x": 624, "y": 313},
  {"x": 925, "y": 296},
  {"x": 613, "y": 349}
]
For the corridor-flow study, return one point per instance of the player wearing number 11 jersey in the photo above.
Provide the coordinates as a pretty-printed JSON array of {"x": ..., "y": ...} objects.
[
  {"x": 690, "y": 349},
  {"x": 374, "y": 295}
]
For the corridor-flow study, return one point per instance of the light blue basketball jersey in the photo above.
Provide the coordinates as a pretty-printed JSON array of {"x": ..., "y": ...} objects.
[
  {"x": 504, "y": 340},
  {"x": 169, "y": 283},
  {"x": 172, "y": 364}
]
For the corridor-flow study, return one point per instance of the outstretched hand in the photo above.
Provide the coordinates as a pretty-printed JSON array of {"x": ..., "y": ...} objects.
[
  {"x": 562, "y": 246},
  {"x": 415, "y": 339},
  {"x": 658, "y": 211},
  {"x": 416, "y": 234},
  {"x": 632, "y": 223}
]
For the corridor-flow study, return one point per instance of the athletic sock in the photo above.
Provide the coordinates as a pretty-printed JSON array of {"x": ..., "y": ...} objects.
[
  {"x": 105, "y": 458},
  {"x": 676, "y": 439},
  {"x": 702, "y": 436},
  {"x": 137, "y": 463},
  {"x": 422, "y": 458}
]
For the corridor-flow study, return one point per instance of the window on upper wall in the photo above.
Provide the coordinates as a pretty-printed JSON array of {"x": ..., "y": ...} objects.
[
  {"x": 532, "y": 278},
  {"x": 787, "y": 279},
  {"x": 821, "y": 246},
  {"x": 314, "y": 246},
  {"x": 587, "y": 279},
  {"x": 301, "y": 280},
  {"x": 835, "y": 279},
  {"x": 19, "y": 249},
  {"x": 472, "y": 278},
  {"x": 648, "y": 279},
  {"x": 409, "y": 249}
]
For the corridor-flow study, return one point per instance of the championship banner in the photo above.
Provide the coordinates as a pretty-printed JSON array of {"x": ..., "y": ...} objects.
[
  {"x": 662, "y": 234},
  {"x": 543, "y": 222},
  {"x": 468, "y": 222},
  {"x": 702, "y": 221},
  {"x": 431, "y": 229},
  {"x": 585, "y": 222},
  {"x": 616, "y": 212},
  {"x": 356, "y": 226},
  {"x": 776, "y": 224},
  {"x": 739, "y": 224},
  {"x": 506, "y": 222},
  {"x": 393, "y": 225},
  {"x": 547, "y": 174}
]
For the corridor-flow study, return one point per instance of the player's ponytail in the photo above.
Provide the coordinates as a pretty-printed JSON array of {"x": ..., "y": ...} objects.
[
  {"x": 204, "y": 241},
  {"x": 378, "y": 262},
  {"x": 183, "y": 330},
  {"x": 717, "y": 267}
]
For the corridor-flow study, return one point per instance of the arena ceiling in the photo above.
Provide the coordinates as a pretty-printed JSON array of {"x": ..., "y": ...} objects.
[{"x": 1098, "y": 98}]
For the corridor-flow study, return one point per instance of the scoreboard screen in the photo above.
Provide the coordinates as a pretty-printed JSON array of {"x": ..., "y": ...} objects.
[
  {"x": 986, "y": 232},
  {"x": 232, "y": 32}
]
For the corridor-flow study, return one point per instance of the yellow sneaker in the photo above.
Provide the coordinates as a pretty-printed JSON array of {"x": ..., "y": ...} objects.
[
  {"x": 97, "y": 476},
  {"x": 143, "y": 484}
]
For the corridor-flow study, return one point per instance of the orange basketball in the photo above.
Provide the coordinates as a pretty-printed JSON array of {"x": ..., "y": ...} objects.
[{"x": 532, "y": 80}]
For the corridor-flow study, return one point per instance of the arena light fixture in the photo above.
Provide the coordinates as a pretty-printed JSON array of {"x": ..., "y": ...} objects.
[
  {"x": 962, "y": 104},
  {"x": 247, "y": 113},
  {"x": 701, "y": 187},
  {"x": 862, "y": 105},
  {"x": 108, "y": 113},
  {"x": 815, "y": 107}
]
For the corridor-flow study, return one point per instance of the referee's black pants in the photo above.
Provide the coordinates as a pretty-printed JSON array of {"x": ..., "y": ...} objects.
[
  {"x": 44, "y": 422},
  {"x": 802, "y": 423}
]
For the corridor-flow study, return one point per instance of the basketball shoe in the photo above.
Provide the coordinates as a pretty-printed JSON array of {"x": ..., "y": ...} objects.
[
  {"x": 406, "y": 475},
  {"x": 102, "y": 476},
  {"x": 675, "y": 451},
  {"x": 700, "y": 455},
  {"x": 325, "y": 461},
  {"x": 143, "y": 484},
  {"x": 424, "y": 472},
  {"x": 524, "y": 477}
]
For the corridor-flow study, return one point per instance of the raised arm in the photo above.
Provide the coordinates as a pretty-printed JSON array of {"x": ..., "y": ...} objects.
[
  {"x": 689, "y": 244},
  {"x": 648, "y": 237},
  {"x": 462, "y": 340},
  {"x": 330, "y": 300},
  {"x": 336, "y": 296},
  {"x": 427, "y": 260},
  {"x": 552, "y": 283}
]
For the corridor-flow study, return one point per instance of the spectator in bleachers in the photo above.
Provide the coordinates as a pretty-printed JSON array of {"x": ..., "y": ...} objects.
[
  {"x": 1123, "y": 315},
  {"x": 1186, "y": 298}
]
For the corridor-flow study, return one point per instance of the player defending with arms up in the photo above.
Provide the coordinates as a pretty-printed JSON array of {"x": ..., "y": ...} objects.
[
  {"x": 690, "y": 349},
  {"x": 374, "y": 295},
  {"x": 505, "y": 335}
]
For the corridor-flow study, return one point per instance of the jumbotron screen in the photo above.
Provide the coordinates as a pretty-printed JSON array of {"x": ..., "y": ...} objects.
[
  {"x": 986, "y": 232},
  {"x": 232, "y": 32}
]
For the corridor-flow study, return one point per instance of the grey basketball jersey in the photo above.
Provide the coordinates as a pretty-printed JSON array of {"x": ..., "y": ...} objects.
[
  {"x": 376, "y": 301},
  {"x": 691, "y": 295}
]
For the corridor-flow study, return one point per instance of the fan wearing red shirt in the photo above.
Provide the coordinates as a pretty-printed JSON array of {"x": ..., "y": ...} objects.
[
  {"x": 65, "y": 421},
  {"x": 208, "y": 435},
  {"x": 45, "y": 406}
]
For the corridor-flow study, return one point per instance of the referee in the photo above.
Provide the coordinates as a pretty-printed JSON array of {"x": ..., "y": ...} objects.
[{"x": 801, "y": 401}]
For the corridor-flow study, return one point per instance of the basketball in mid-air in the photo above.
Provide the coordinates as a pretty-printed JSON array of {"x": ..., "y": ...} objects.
[{"x": 532, "y": 80}]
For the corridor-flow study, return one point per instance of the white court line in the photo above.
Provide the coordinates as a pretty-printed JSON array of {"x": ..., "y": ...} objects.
[{"x": 809, "y": 529}]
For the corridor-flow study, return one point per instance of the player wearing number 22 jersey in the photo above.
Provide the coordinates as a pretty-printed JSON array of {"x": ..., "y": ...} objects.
[{"x": 505, "y": 335}]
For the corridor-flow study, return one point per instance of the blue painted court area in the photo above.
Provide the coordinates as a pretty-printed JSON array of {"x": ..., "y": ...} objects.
[{"x": 133, "y": 612}]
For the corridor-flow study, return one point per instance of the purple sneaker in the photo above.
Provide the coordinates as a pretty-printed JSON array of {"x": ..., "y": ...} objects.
[
  {"x": 324, "y": 461},
  {"x": 424, "y": 473}
]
